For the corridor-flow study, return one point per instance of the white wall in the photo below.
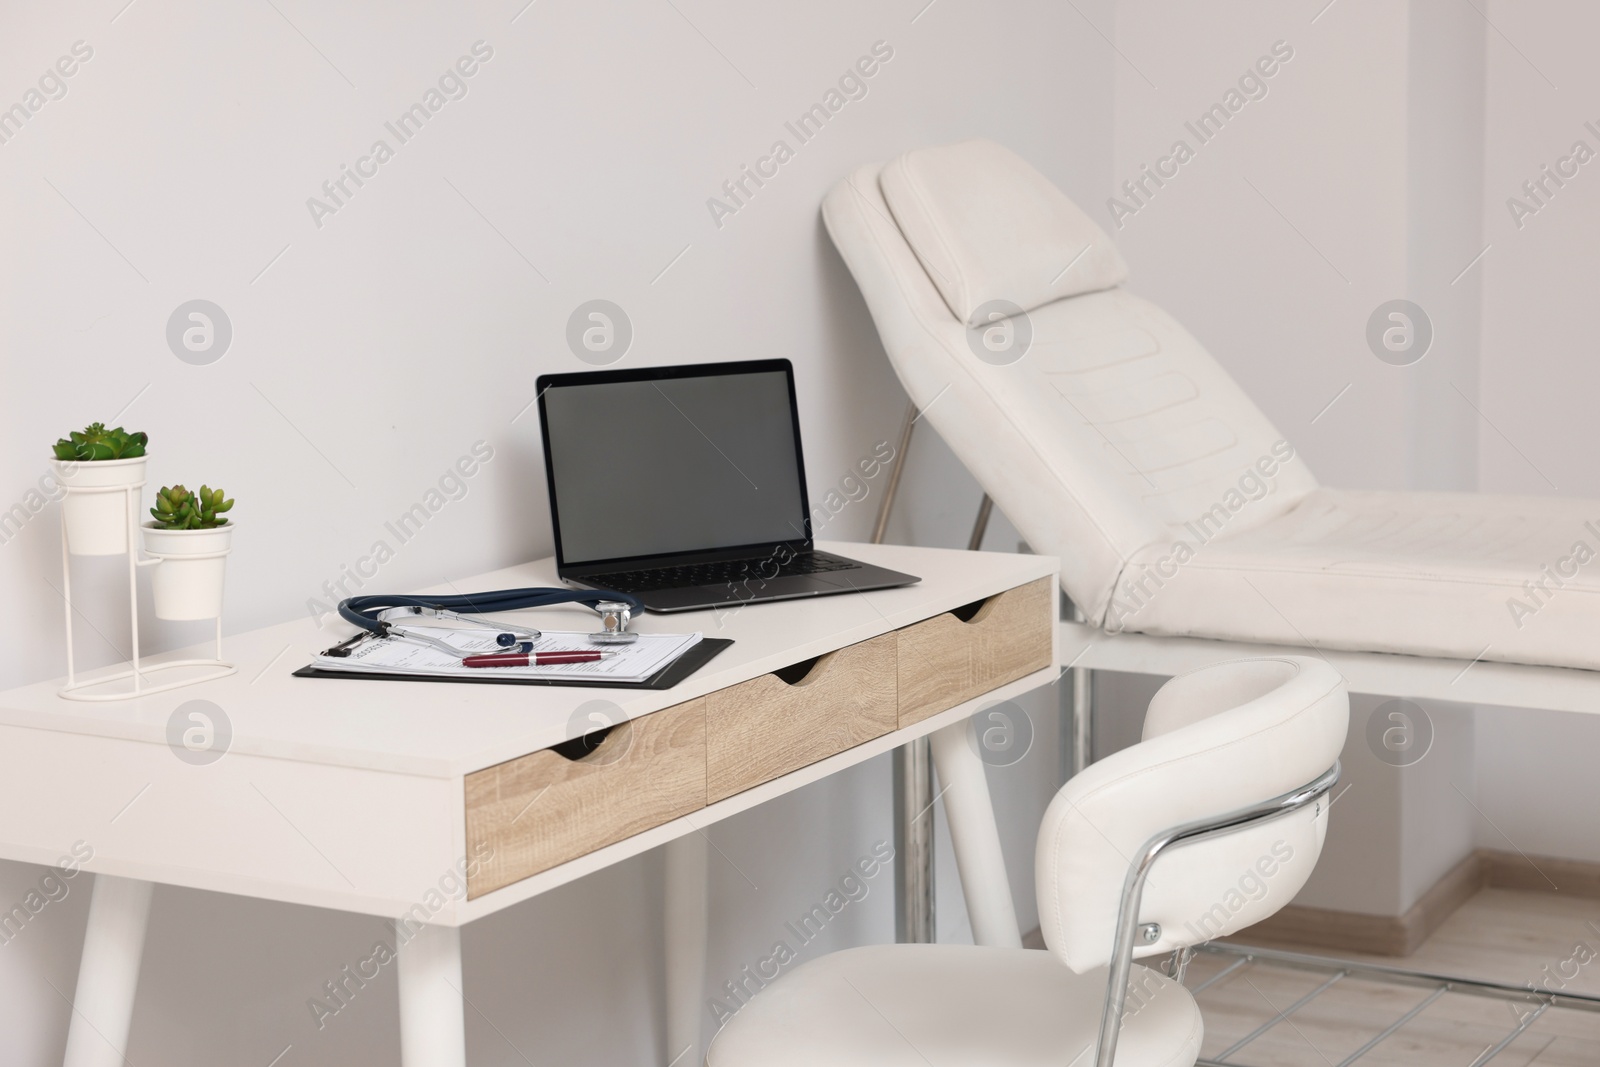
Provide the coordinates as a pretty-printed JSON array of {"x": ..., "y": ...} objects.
[
  {"x": 1276, "y": 241},
  {"x": 379, "y": 347},
  {"x": 1537, "y": 787}
]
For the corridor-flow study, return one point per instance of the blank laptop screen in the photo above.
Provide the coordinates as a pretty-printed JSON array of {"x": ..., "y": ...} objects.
[{"x": 675, "y": 465}]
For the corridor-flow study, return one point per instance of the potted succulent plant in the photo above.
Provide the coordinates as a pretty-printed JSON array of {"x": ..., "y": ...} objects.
[
  {"x": 192, "y": 539},
  {"x": 98, "y": 468}
]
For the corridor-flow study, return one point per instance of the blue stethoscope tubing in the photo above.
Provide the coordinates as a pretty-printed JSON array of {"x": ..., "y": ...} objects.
[{"x": 367, "y": 611}]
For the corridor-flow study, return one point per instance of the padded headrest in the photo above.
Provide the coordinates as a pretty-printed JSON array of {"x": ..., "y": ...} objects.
[{"x": 987, "y": 226}]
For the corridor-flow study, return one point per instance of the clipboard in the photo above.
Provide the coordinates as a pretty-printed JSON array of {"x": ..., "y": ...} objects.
[{"x": 685, "y": 665}]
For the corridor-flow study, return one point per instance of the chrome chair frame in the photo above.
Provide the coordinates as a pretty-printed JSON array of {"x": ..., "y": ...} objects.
[{"x": 1128, "y": 926}]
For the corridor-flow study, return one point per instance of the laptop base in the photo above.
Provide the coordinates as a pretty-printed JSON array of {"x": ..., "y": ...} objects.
[{"x": 859, "y": 578}]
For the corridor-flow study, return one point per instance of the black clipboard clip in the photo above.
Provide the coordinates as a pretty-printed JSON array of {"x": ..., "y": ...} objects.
[{"x": 343, "y": 649}]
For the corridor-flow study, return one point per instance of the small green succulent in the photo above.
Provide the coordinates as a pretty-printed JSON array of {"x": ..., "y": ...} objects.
[
  {"x": 178, "y": 509},
  {"x": 97, "y": 442}
]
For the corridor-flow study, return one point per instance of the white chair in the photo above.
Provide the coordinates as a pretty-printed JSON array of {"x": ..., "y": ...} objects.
[
  {"x": 1213, "y": 822},
  {"x": 1112, "y": 439}
]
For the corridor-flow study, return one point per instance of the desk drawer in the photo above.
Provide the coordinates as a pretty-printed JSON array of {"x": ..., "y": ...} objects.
[
  {"x": 543, "y": 809},
  {"x": 769, "y": 726},
  {"x": 945, "y": 660}
]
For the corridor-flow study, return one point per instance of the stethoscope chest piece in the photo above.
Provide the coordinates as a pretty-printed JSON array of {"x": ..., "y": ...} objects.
[{"x": 615, "y": 616}]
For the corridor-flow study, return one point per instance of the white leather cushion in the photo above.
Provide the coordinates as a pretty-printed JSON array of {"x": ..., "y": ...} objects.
[
  {"x": 1224, "y": 737},
  {"x": 987, "y": 226},
  {"x": 912, "y": 1005},
  {"x": 1432, "y": 574}
]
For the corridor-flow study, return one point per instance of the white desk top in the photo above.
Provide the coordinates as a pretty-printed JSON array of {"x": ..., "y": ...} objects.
[{"x": 446, "y": 730}]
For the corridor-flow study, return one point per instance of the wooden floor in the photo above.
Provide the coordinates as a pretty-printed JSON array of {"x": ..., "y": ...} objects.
[{"x": 1503, "y": 935}]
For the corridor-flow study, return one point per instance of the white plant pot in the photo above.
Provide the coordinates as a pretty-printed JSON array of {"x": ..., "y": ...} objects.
[
  {"x": 187, "y": 583},
  {"x": 95, "y": 508}
]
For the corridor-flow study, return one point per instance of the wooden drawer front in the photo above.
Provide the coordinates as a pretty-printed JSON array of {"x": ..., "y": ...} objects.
[
  {"x": 766, "y": 727},
  {"x": 945, "y": 661},
  {"x": 542, "y": 809}
]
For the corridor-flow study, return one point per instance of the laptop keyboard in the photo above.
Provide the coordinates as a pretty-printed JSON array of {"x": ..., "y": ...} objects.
[{"x": 723, "y": 572}]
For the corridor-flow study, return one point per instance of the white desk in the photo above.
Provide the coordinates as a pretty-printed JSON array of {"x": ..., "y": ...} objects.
[{"x": 395, "y": 759}]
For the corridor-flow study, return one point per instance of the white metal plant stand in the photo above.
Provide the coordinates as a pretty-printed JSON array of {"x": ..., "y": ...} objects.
[{"x": 102, "y": 687}]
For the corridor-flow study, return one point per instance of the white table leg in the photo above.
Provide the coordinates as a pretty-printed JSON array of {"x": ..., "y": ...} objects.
[
  {"x": 433, "y": 1029},
  {"x": 970, "y": 813},
  {"x": 108, "y": 974},
  {"x": 687, "y": 922}
]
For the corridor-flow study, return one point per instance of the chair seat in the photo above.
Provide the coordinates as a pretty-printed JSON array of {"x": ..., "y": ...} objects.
[
  {"x": 953, "y": 1006},
  {"x": 1436, "y": 574}
]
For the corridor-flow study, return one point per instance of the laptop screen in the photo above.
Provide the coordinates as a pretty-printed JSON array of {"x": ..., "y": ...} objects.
[{"x": 672, "y": 460}]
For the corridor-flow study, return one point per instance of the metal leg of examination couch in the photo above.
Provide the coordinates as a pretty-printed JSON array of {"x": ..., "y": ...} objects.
[
  {"x": 974, "y": 835},
  {"x": 913, "y": 770},
  {"x": 1082, "y": 742}
]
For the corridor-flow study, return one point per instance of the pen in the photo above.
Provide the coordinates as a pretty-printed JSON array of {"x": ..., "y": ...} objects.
[{"x": 533, "y": 659}]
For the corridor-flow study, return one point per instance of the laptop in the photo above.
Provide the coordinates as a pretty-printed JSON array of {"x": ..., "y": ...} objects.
[{"x": 686, "y": 487}]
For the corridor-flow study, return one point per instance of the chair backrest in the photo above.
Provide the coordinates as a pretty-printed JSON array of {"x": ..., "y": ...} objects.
[
  {"x": 1216, "y": 740},
  {"x": 1114, "y": 430}
]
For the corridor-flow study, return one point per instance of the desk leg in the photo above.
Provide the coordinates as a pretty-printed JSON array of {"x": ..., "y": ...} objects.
[
  {"x": 108, "y": 974},
  {"x": 433, "y": 1031},
  {"x": 686, "y": 931},
  {"x": 969, "y": 810}
]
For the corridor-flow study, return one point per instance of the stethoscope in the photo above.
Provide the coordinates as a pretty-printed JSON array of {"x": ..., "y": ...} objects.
[{"x": 378, "y": 615}]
